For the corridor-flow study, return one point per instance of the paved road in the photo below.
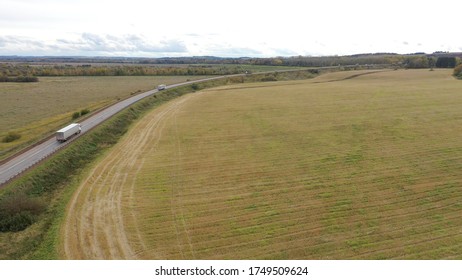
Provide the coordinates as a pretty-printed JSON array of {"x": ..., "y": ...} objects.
[{"x": 23, "y": 161}]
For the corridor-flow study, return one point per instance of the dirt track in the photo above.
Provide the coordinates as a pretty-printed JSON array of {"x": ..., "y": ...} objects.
[{"x": 95, "y": 224}]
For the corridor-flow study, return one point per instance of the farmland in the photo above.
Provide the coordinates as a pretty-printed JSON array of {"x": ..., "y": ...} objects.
[
  {"x": 348, "y": 165},
  {"x": 35, "y": 109}
]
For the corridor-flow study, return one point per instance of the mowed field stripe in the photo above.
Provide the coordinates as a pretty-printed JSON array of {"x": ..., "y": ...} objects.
[
  {"x": 96, "y": 208},
  {"x": 360, "y": 168}
]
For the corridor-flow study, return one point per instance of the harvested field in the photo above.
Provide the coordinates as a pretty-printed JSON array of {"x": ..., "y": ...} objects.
[{"x": 347, "y": 165}]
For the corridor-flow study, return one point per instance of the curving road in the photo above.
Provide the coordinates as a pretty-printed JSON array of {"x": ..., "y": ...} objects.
[{"x": 23, "y": 161}]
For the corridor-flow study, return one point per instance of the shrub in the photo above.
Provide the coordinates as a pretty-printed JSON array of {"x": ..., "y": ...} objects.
[
  {"x": 10, "y": 137},
  {"x": 16, "y": 222},
  {"x": 195, "y": 86},
  {"x": 20, "y": 79},
  {"x": 235, "y": 80},
  {"x": 458, "y": 71},
  {"x": 84, "y": 112},
  {"x": 18, "y": 211},
  {"x": 26, "y": 79},
  {"x": 75, "y": 115},
  {"x": 269, "y": 79}
]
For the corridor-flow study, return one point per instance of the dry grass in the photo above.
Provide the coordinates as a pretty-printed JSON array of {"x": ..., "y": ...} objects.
[
  {"x": 328, "y": 168},
  {"x": 35, "y": 109}
]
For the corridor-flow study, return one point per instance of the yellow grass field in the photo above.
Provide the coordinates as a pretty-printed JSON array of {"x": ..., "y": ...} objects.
[{"x": 348, "y": 165}]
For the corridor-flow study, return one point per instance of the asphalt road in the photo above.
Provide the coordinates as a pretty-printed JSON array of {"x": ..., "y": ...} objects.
[{"x": 23, "y": 161}]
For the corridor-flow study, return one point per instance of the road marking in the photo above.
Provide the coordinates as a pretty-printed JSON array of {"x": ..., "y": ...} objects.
[{"x": 29, "y": 156}]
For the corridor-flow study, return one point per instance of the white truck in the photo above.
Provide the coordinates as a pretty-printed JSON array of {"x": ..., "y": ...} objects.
[{"x": 65, "y": 133}]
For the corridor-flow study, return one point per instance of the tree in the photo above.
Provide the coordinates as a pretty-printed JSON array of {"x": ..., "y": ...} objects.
[{"x": 446, "y": 62}]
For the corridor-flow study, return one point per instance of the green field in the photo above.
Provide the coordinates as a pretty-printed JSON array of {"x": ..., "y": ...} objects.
[
  {"x": 348, "y": 165},
  {"x": 36, "y": 109}
]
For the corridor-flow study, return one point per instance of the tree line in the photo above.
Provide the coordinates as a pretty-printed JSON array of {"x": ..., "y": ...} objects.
[
  {"x": 24, "y": 69},
  {"x": 412, "y": 61},
  {"x": 7, "y": 71},
  {"x": 415, "y": 60}
]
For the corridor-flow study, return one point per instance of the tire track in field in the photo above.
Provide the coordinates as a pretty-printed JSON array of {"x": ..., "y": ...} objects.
[
  {"x": 178, "y": 206},
  {"x": 351, "y": 76},
  {"x": 94, "y": 227}
]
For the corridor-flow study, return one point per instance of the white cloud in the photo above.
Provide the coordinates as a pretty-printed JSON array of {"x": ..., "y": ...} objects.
[
  {"x": 232, "y": 28},
  {"x": 21, "y": 44},
  {"x": 92, "y": 44}
]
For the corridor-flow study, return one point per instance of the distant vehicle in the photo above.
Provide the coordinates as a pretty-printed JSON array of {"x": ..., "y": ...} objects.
[
  {"x": 161, "y": 87},
  {"x": 65, "y": 133}
]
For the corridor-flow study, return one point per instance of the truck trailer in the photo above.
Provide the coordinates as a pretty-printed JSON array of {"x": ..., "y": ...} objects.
[{"x": 65, "y": 133}]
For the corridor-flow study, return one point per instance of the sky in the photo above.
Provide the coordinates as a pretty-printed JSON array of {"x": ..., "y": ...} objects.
[{"x": 232, "y": 28}]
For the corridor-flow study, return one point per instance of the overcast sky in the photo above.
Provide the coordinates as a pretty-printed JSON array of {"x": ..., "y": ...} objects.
[{"x": 232, "y": 28}]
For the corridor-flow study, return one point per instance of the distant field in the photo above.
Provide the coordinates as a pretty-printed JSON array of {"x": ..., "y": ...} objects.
[
  {"x": 35, "y": 109},
  {"x": 348, "y": 165}
]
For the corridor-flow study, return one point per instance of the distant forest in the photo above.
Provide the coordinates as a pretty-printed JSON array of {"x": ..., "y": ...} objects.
[
  {"x": 12, "y": 70},
  {"x": 23, "y": 69}
]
